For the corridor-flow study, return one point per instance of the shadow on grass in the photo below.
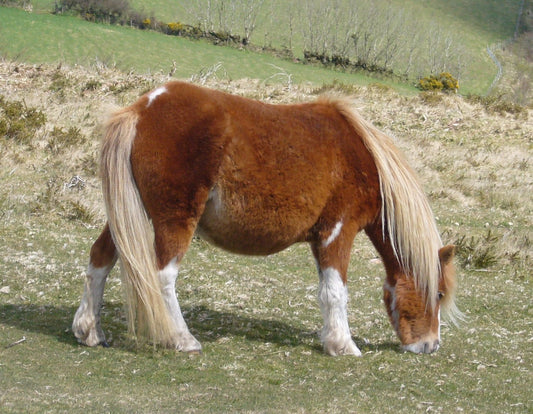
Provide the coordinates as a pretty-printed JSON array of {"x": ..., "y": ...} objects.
[{"x": 206, "y": 324}]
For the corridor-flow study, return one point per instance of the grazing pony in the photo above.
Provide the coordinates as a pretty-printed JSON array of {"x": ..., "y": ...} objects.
[{"x": 255, "y": 178}]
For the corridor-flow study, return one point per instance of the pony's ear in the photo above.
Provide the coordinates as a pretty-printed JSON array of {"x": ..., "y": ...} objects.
[
  {"x": 446, "y": 254},
  {"x": 449, "y": 284}
]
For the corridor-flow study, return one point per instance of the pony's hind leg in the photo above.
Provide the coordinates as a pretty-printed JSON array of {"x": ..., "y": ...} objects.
[
  {"x": 184, "y": 341},
  {"x": 332, "y": 255},
  {"x": 172, "y": 241},
  {"x": 86, "y": 324}
]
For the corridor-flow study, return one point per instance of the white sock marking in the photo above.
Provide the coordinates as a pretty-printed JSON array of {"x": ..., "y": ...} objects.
[
  {"x": 86, "y": 324},
  {"x": 394, "y": 312},
  {"x": 155, "y": 93},
  {"x": 167, "y": 277},
  {"x": 333, "y": 299},
  {"x": 334, "y": 234},
  {"x": 333, "y": 296}
]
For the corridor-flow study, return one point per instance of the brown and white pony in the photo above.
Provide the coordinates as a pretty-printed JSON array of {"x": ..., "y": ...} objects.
[{"x": 255, "y": 178}]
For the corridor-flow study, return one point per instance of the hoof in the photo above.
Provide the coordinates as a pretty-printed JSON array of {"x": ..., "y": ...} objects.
[
  {"x": 88, "y": 333},
  {"x": 344, "y": 347},
  {"x": 189, "y": 344},
  {"x": 104, "y": 344}
]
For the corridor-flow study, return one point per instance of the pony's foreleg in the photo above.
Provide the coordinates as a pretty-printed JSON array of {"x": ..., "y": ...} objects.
[
  {"x": 86, "y": 325},
  {"x": 333, "y": 298},
  {"x": 185, "y": 341}
]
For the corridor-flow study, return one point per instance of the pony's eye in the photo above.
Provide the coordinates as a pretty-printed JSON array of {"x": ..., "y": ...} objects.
[{"x": 441, "y": 295}]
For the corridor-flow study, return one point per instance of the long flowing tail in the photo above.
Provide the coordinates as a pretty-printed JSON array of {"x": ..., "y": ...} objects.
[
  {"x": 406, "y": 215},
  {"x": 148, "y": 316}
]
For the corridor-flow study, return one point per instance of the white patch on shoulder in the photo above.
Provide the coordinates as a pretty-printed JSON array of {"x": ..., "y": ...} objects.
[
  {"x": 155, "y": 93},
  {"x": 334, "y": 234}
]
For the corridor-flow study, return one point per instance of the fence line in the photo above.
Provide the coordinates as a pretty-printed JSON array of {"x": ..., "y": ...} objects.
[
  {"x": 503, "y": 44},
  {"x": 500, "y": 70}
]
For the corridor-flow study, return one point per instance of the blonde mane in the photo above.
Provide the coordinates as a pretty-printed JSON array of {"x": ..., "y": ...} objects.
[{"x": 406, "y": 215}]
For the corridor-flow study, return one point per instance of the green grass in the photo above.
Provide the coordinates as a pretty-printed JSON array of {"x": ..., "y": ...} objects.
[
  {"x": 480, "y": 23},
  {"x": 493, "y": 20},
  {"x": 258, "y": 318},
  {"x": 489, "y": 20},
  {"x": 52, "y": 39}
]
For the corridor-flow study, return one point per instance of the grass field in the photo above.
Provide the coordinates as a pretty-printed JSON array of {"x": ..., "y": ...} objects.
[
  {"x": 47, "y": 38},
  {"x": 477, "y": 23},
  {"x": 53, "y": 39},
  {"x": 496, "y": 18},
  {"x": 258, "y": 317}
]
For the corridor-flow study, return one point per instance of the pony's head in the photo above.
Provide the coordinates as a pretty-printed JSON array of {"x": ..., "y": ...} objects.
[{"x": 416, "y": 323}]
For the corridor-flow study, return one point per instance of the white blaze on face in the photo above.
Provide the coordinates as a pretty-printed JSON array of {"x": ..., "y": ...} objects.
[
  {"x": 334, "y": 234},
  {"x": 155, "y": 93},
  {"x": 438, "y": 337}
]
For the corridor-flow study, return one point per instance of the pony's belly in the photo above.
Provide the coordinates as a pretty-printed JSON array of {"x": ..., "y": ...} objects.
[
  {"x": 247, "y": 229},
  {"x": 241, "y": 239}
]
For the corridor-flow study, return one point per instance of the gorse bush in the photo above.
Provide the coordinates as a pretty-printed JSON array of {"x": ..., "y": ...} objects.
[
  {"x": 76, "y": 211},
  {"x": 19, "y": 122},
  {"x": 61, "y": 139},
  {"x": 60, "y": 82},
  {"x": 478, "y": 252},
  {"x": 146, "y": 23},
  {"x": 499, "y": 104},
  {"x": 175, "y": 28},
  {"x": 442, "y": 82}
]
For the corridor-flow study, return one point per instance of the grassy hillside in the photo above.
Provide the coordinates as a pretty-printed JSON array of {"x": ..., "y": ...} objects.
[
  {"x": 472, "y": 25},
  {"x": 495, "y": 18},
  {"x": 258, "y": 317},
  {"x": 476, "y": 24},
  {"x": 489, "y": 20},
  {"x": 48, "y": 38}
]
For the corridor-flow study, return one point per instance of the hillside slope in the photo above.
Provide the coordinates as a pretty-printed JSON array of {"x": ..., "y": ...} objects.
[
  {"x": 450, "y": 36},
  {"x": 74, "y": 41},
  {"x": 257, "y": 317}
]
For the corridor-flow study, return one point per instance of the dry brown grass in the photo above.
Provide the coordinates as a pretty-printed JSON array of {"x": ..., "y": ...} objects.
[{"x": 475, "y": 163}]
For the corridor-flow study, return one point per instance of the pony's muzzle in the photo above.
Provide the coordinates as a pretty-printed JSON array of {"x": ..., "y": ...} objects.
[{"x": 423, "y": 347}]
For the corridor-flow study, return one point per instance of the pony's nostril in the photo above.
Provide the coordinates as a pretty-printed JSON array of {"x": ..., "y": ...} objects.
[
  {"x": 430, "y": 347},
  {"x": 423, "y": 347}
]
